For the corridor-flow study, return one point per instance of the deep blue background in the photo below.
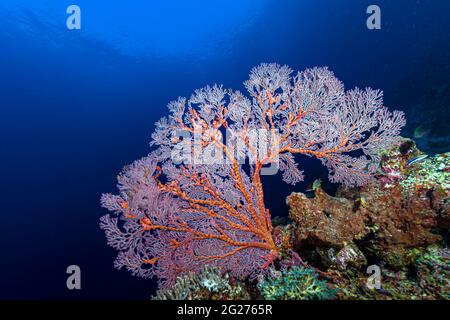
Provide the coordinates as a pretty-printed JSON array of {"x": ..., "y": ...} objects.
[{"x": 78, "y": 105}]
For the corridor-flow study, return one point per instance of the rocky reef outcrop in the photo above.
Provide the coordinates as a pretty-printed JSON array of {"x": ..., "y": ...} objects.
[
  {"x": 407, "y": 206},
  {"x": 399, "y": 222}
]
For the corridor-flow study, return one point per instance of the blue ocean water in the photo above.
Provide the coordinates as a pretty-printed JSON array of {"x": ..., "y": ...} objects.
[{"x": 77, "y": 105}]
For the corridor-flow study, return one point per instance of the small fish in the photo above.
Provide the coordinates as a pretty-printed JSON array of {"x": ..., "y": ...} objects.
[
  {"x": 416, "y": 159},
  {"x": 362, "y": 200},
  {"x": 315, "y": 185}
]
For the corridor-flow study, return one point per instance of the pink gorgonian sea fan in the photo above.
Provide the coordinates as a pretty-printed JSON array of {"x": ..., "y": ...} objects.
[{"x": 195, "y": 200}]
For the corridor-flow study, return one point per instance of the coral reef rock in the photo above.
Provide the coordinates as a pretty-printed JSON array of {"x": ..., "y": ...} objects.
[
  {"x": 350, "y": 255},
  {"x": 405, "y": 207},
  {"x": 427, "y": 280},
  {"x": 324, "y": 220}
]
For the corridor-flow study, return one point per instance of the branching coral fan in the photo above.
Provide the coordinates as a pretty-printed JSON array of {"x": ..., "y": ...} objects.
[{"x": 198, "y": 197}]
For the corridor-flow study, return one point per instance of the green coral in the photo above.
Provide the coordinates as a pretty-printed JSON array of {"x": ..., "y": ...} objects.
[
  {"x": 209, "y": 284},
  {"x": 298, "y": 283},
  {"x": 433, "y": 272}
]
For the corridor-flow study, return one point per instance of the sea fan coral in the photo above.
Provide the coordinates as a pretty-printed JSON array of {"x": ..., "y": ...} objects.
[{"x": 198, "y": 197}]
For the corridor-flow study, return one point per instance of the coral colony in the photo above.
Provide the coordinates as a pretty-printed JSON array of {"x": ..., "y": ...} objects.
[{"x": 198, "y": 199}]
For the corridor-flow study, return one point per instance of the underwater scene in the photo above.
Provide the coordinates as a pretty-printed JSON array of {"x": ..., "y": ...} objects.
[{"x": 225, "y": 150}]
